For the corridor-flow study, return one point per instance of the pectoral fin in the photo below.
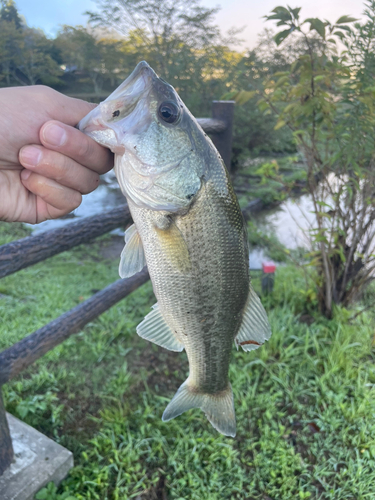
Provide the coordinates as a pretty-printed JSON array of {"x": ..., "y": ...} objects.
[
  {"x": 155, "y": 329},
  {"x": 132, "y": 257},
  {"x": 255, "y": 328}
]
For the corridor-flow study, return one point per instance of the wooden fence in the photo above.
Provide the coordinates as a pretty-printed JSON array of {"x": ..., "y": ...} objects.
[{"x": 28, "y": 251}]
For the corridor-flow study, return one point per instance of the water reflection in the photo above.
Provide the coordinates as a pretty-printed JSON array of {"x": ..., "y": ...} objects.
[{"x": 290, "y": 221}]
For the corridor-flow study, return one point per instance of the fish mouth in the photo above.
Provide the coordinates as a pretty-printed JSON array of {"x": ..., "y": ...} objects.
[
  {"x": 99, "y": 125},
  {"x": 142, "y": 76}
]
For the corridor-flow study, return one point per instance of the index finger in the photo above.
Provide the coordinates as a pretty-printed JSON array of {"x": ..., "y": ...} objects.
[{"x": 73, "y": 143}]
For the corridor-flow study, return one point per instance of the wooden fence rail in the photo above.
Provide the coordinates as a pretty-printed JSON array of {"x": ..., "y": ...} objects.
[
  {"x": 33, "y": 249},
  {"x": 21, "y": 355}
]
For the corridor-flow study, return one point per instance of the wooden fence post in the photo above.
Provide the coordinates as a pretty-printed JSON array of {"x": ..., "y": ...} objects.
[
  {"x": 224, "y": 110},
  {"x": 6, "y": 448}
]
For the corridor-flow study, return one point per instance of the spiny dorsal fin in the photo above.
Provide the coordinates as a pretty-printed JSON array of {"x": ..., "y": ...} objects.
[
  {"x": 219, "y": 408},
  {"x": 255, "y": 328},
  {"x": 155, "y": 329},
  {"x": 132, "y": 257}
]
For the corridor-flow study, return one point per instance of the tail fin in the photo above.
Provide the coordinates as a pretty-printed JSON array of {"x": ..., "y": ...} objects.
[{"x": 219, "y": 408}]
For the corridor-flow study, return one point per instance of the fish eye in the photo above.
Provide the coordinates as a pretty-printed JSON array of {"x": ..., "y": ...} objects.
[{"x": 169, "y": 112}]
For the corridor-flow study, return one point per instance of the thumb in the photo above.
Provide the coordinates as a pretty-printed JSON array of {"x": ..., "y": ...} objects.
[{"x": 70, "y": 110}]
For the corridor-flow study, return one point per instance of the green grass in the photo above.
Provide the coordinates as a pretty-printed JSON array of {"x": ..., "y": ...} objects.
[
  {"x": 11, "y": 232},
  {"x": 305, "y": 401}
]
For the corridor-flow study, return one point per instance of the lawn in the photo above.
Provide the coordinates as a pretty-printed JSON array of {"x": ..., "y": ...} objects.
[{"x": 305, "y": 401}]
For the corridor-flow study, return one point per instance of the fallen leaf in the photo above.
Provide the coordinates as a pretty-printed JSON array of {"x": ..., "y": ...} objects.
[{"x": 313, "y": 428}]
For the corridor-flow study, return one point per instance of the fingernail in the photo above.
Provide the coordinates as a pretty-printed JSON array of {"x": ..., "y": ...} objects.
[
  {"x": 25, "y": 174},
  {"x": 30, "y": 156},
  {"x": 54, "y": 135}
]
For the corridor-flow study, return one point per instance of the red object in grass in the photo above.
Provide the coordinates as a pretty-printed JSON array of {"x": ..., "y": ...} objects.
[{"x": 269, "y": 267}]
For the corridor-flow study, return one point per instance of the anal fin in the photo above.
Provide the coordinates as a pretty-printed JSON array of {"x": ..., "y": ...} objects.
[
  {"x": 155, "y": 329},
  {"x": 255, "y": 328},
  {"x": 132, "y": 257}
]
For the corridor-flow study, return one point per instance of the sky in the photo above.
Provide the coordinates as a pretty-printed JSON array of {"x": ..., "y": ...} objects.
[{"x": 49, "y": 14}]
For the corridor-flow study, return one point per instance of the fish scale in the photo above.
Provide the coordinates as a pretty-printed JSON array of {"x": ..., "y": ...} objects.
[
  {"x": 216, "y": 288},
  {"x": 189, "y": 228}
]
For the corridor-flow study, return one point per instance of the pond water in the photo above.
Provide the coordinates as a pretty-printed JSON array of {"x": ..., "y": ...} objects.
[
  {"x": 288, "y": 222},
  {"x": 105, "y": 197}
]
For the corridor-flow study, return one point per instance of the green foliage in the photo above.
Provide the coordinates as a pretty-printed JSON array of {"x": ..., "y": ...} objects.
[
  {"x": 268, "y": 179},
  {"x": 252, "y": 132},
  {"x": 10, "y": 232},
  {"x": 325, "y": 98},
  {"x": 25, "y": 53},
  {"x": 34, "y": 408},
  {"x": 9, "y": 13},
  {"x": 101, "y": 61},
  {"x": 268, "y": 169},
  {"x": 178, "y": 39},
  {"x": 168, "y": 30},
  {"x": 270, "y": 194},
  {"x": 50, "y": 493},
  {"x": 267, "y": 241},
  {"x": 304, "y": 401}
]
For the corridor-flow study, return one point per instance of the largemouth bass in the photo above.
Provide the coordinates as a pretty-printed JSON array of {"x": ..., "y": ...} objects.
[{"x": 189, "y": 229}]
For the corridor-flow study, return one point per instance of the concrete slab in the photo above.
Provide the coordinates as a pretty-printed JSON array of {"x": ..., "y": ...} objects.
[{"x": 38, "y": 461}]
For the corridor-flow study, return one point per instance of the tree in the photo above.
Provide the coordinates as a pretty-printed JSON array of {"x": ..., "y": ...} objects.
[
  {"x": 326, "y": 98},
  {"x": 9, "y": 13},
  {"x": 179, "y": 40},
  {"x": 163, "y": 26},
  {"x": 25, "y": 53},
  {"x": 252, "y": 133},
  {"x": 33, "y": 63},
  {"x": 10, "y": 46},
  {"x": 95, "y": 55}
]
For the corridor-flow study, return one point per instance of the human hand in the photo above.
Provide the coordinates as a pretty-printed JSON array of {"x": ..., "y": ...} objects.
[{"x": 45, "y": 163}]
